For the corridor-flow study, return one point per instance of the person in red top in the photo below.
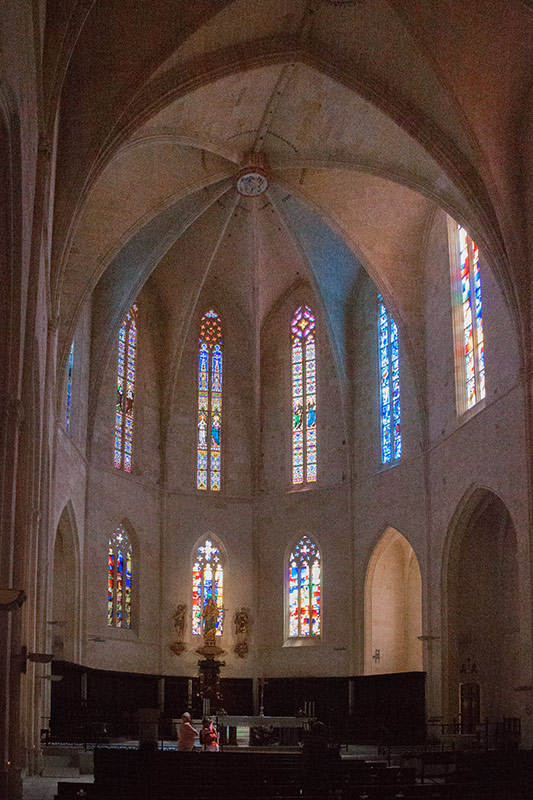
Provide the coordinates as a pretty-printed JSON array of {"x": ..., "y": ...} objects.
[
  {"x": 208, "y": 736},
  {"x": 186, "y": 734}
]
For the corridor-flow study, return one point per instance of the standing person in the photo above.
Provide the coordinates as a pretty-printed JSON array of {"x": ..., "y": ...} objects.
[
  {"x": 316, "y": 759},
  {"x": 208, "y": 736},
  {"x": 186, "y": 734}
]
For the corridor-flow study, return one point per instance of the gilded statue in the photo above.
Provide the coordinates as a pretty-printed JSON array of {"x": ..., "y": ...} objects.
[{"x": 210, "y": 616}]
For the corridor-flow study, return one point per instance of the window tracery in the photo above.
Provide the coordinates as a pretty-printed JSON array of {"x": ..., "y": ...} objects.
[
  {"x": 305, "y": 597},
  {"x": 389, "y": 385},
  {"x": 127, "y": 351},
  {"x": 208, "y": 451},
  {"x": 207, "y": 582},
  {"x": 468, "y": 318},
  {"x": 303, "y": 375},
  {"x": 119, "y": 579},
  {"x": 68, "y": 409}
]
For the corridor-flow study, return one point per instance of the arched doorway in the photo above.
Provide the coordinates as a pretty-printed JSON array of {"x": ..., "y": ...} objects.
[
  {"x": 65, "y": 589},
  {"x": 481, "y": 657},
  {"x": 393, "y": 607}
]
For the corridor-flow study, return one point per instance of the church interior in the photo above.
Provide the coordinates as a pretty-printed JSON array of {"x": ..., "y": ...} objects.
[{"x": 267, "y": 369}]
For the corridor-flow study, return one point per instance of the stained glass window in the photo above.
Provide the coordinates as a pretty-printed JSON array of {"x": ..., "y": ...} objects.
[
  {"x": 207, "y": 581},
  {"x": 303, "y": 367},
  {"x": 305, "y": 602},
  {"x": 208, "y": 462},
  {"x": 119, "y": 575},
  {"x": 472, "y": 342},
  {"x": 69, "y": 387},
  {"x": 127, "y": 350},
  {"x": 389, "y": 385}
]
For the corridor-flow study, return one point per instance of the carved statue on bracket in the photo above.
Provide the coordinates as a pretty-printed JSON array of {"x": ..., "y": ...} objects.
[
  {"x": 241, "y": 632},
  {"x": 178, "y": 647}
]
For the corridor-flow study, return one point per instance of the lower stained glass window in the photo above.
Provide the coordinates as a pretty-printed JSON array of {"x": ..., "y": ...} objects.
[
  {"x": 305, "y": 600},
  {"x": 207, "y": 582},
  {"x": 119, "y": 578}
]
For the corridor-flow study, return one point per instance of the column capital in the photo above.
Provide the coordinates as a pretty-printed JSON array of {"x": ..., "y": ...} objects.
[{"x": 53, "y": 324}]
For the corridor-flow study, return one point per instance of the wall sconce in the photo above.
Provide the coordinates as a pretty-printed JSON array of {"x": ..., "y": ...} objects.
[
  {"x": 36, "y": 658},
  {"x": 40, "y": 658},
  {"x": 468, "y": 667},
  {"x": 376, "y": 658},
  {"x": 11, "y": 599}
]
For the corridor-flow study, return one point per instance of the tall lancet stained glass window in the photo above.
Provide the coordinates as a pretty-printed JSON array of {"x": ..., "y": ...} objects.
[
  {"x": 70, "y": 365},
  {"x": 305, "y": 600},
  {"x": 389, "y": 386},
  {"x": 119, "y": 575},
  {"x": 127, "y": 351},
  {"x": 469, "y": 318},
  {"x": 207, "y": 582},
  {"x": 303, "y": 365},
  {"x": 208, "y": 462}
]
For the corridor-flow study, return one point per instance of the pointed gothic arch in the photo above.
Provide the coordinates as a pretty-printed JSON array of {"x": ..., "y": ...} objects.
[
  {"x": 65, "y": 619},
  {"x": 210, "y": 374},
  {"x": 303, "y": 567},
  {"x": 122, "y": 576},
  {"x": 208, "y": 570},
  {"x": 393, "y": 607},
  {"x": 481, "y": 636}
]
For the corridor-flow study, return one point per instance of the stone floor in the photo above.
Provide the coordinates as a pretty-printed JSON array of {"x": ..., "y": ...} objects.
[{"x": 37, "y": 788}]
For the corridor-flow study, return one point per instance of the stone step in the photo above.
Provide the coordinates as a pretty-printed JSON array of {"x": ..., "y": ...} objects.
[
  {"x": 51, "y": 771},
  {"x": 65, "y": 759}
]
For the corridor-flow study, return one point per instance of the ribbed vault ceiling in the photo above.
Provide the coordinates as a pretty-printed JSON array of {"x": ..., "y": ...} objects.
[{"x": 366, "y": 120}]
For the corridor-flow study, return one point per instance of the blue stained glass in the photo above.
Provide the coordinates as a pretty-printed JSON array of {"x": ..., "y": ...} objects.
[
  {"x": 217, "y": 369},
  {"x": 395, "y": 357},
  {"x": 208, "y": 584},
  {"x": 203, "y": 368},
  {"x": 389, "y": 385},
  {"x": 69, "y": 386}
]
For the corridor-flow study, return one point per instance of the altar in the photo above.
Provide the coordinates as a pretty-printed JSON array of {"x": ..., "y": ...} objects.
[{"x": 263, "y": 730}]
